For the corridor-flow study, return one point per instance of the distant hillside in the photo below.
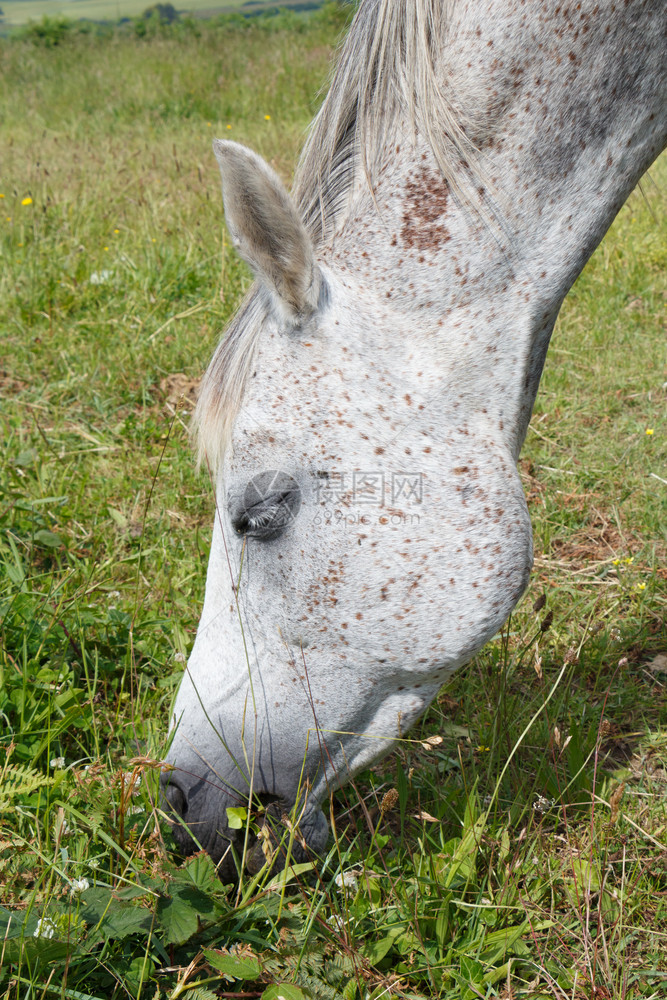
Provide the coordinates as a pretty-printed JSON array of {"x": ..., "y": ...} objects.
[{"x": 19, "y": 12}]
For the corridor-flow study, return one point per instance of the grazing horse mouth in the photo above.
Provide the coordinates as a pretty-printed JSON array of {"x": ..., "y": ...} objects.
[{"x": 273, "y": 839}]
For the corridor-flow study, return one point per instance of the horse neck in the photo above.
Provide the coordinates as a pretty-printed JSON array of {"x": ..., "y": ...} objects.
[{"x": 566, "y": 110}]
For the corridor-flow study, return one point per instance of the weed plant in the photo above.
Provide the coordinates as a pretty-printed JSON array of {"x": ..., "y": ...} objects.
[{"x": 514, "y": 845}]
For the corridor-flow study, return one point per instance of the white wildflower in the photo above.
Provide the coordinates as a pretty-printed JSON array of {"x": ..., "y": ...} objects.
[
  {"x": 346, "y": 880},
  {"x": 180, "y": 657},
  {"x": 57, "y": 762},
  {"x": 45, "y": 928},
  {"x": 543, "y": 804},
  {"x": 100, "y": 277},
  {"x": 79, "y": 885},
  {"x": 336, "y": 922}
]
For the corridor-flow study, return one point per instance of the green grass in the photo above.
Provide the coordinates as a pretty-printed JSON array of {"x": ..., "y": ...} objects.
[{"x": 515, "y": 844}]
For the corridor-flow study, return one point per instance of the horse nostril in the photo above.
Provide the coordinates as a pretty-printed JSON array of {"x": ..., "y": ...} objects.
[{"x": 174, "y": 795}]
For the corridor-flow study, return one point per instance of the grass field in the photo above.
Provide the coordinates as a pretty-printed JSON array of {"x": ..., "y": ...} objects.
[{"x": 515, "y": 846}]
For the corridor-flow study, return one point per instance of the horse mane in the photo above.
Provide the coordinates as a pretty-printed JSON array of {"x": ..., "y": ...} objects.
[{"x": 386, "y": 69}]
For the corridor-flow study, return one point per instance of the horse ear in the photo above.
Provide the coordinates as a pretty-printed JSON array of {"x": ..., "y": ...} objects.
[{"x": 266, "y": 229}]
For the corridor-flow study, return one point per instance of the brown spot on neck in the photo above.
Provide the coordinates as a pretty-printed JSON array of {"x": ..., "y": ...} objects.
[{"x": 426, "y": 199}]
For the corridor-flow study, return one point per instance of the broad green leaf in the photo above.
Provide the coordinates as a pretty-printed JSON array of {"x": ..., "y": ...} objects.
[
  {"x": 497, "y": 944},
  {"x": 200, "y": 871},
  {"x": 442, "y": 925},
  {"x": 117, "y": 517},
  {"x": 139, "y": 972},
  {"x": 42, "y": 501},
  {"x": 48, "y": 539},
  {"x": 470, "y": 978},
  {"x": 371, "y": 888},
  {"x": 283, "y": 991},
  {"x": 235, "y": 966},
  {"x": 287, "y": 874},
  {"x": 11, "y": 924},
  {"x": 451, "y": 729},
  {"x": 26, "y": 458},
  {"x": 178, "y": 920},
  {"x": 586, "y": 875},
  {"x": 499, "y": 974},
  {"x": 179, "y": 913},
  {"x": 32, "y": 951},
  {"x": 131, "y": 892},
  {"x": 113, "y": 919},
  {"x": 406, "y": 942},
  {"x": 236, "y": 817},
  {"x": 375, "y": 951}
]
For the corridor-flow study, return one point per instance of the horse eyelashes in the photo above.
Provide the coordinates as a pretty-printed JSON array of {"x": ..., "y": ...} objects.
[
  {"x": 268, "y": 520},
  {"x": 270, "y": 503}
]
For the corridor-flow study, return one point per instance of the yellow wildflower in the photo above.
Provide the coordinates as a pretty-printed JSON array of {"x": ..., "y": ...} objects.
[
  {"x": 483, "y": 749},
  {"x": 267, "y": 118},
  {"x": 615, "y": 562},
  {"x": 649, "y": 431},
  {"x": 27, "y": 201},
  {"x": 641, "y": 586},
  {"x": 229, "y": 126}
]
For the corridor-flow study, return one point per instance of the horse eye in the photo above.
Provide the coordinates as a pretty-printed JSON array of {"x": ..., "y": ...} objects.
[{"x": 269, "y": 504}]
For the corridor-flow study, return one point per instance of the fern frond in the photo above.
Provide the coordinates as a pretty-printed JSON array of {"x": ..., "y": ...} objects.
[
  {"x": 200, "y": 993},
  {"x": 17, "y": 780},
  {"x": 316, "y": 986}
]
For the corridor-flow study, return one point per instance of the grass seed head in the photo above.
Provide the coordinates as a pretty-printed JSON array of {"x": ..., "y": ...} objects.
[
  {"x": 389, "y": 800},
  {"x": 547, "y": 621}
]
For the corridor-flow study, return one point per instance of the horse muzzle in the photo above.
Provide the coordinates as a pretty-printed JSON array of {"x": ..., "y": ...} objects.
[{"x": 196, "y": 809}]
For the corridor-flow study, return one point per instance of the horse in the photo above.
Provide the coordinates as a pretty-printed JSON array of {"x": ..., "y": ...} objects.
[{"x": 363, "y": 416}]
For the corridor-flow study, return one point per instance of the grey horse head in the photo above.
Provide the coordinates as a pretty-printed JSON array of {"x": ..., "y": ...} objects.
[{"x": 364, "y": 414}]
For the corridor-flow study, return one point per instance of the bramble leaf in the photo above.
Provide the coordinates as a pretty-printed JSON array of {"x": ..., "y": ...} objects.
[{"x": 234, "y": 966}]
